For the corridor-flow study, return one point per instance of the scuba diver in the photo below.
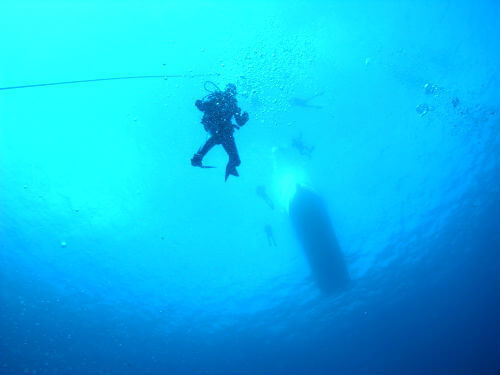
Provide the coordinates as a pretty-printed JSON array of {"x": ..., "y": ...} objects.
[
  {"x": 270, "y": 236},
  {"x": 218, "y": 109},
  {"x": 305, "y": 103},
  {"x": 261, "y": 192},
  {"x": 301, "y": 147}
]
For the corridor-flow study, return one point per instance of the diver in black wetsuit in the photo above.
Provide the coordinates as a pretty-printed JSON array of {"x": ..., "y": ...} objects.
[{"x": 219, "y": 108}]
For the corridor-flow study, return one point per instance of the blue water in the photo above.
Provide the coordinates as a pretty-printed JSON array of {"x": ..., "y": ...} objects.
[{"x": 118, "y": 257}]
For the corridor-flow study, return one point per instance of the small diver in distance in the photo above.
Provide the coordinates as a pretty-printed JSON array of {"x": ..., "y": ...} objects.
[
  {"x": 218, "y": 109},
  {"x": 270, "y": 235},
  {"x": 261, "y": 192},
  {"x": 301, "y": 147},
  {"x": 305, "y": 103}
]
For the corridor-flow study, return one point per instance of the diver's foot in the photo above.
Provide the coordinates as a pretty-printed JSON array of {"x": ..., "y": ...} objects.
[
  {"x": 196, "y": 160},
  {"x": 231, "y": 170}
]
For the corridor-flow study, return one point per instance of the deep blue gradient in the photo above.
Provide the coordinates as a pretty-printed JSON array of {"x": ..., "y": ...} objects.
[{"x": 118, "y": 257}]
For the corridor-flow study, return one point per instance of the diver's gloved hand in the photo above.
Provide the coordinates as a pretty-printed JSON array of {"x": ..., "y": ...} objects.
[
  {"x": 244, "y": 117},
  {"x": 198, "y": 104},
  {"x": 241, "y": 119}
]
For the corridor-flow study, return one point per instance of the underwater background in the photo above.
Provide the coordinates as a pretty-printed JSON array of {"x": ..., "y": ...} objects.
[{"x": 118, "y": 257}]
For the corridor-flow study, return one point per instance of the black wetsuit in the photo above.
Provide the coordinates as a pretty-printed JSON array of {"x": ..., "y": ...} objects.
[{"x": 219, "y": 109}]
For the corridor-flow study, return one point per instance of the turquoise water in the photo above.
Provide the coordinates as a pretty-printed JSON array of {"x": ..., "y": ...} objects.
[{"x": 118, "y": 257}]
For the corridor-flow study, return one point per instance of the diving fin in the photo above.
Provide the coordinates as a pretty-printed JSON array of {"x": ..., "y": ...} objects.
[
  {"x": 196, "y": 162},
  {"x": 231, "y": 170}
]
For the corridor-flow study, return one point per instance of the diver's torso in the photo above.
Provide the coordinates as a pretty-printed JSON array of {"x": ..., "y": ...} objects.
[{"x": 220, "y": 109}]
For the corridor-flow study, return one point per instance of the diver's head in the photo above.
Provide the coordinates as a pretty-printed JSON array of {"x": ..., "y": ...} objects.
[{"x": 231, "y": 89}]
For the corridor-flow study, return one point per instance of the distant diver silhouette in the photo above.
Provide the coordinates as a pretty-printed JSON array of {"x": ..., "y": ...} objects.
[
  {"x": 219, "y": 108},
  {"x": 270, "y": 236},
  {"x": 261, "y": 192},
  {"x": 300, "y": 102},
  {"x": 299, "y": 144}
]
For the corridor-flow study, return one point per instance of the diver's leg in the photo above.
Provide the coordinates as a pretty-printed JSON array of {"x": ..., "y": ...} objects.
[
  {"x": 211, "y": 142},
  {"x": 234, "y": 159},
  {"x": 230, "y": 146},
  {"x": 198, "y": 157}
]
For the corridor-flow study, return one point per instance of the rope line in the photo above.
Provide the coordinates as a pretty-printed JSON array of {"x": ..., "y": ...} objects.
[{"x": 108, "y": 79}]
